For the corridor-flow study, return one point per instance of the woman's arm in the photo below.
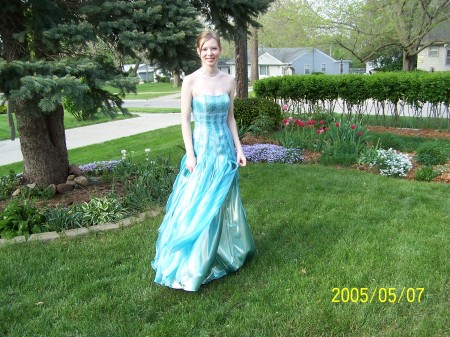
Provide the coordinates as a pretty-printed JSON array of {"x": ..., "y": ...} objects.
[
  {"x": 242, "y": 161},
  {"x": 186, "y": 101}
]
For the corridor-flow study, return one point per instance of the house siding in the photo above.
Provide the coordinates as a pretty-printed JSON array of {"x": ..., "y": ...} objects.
[
  {"x": 430, "y": 63},
  {"x": 291, "y": 63}
]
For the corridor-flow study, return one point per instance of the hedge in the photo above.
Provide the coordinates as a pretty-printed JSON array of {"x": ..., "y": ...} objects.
[{"x": 393, "y": 91}]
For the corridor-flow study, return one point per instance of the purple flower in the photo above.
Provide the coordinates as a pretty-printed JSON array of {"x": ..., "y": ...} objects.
[
  {"x": 99, "y": 166},
  {"x": 271, "y": 153}
]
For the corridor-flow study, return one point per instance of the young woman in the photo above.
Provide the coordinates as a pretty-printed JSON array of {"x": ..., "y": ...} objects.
[{"x": 205, "y": 234}]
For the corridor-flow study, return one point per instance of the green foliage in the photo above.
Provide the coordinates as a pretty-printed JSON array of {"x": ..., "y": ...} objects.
[
  {"x": 426, "y": 173},
  {"x": 148, "y": 183},
  {"x": 20, "y": 219},
  {"x": 252, "y": 111},
  {"x": 101, "y": 210},
  {"x": 27, "y": 192},
  {"x": 343, "y": 153},
  {"x": 432, "y": 153},
  {"x": 390, "y": 162},
  {"x": 8, "y": 183},
  {"x": 384, "y": 89},
  {"x": 387, "y": 140},
  {"x": 63, "y": 218},
  {"x": 3, "y": 109}
]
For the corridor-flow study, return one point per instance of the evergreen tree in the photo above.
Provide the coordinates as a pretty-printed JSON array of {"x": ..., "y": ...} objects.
[{"x": 49, "y": 50}]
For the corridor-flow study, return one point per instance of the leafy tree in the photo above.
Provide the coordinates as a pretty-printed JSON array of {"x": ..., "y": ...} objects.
[
  {"x": 73, "y": 48},
  {"x": 366, "y": 28},
  {"x": 233, "y": 19}
]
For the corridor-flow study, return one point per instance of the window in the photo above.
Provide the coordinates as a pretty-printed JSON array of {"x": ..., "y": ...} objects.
[
  {"x": 264, "y": 70},
  {"x": 433, "y": 51},
  {"x": 447, "y": 60},
  {"x": 323, "y": 68},
  {"x": 306, "y": 69}
]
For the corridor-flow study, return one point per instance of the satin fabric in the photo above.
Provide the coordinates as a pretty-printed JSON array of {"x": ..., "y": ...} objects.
[{"x": 204, "y": 234}]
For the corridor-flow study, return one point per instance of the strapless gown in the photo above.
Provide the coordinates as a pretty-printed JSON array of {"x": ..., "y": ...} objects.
[{"x": 204, "y": 234}]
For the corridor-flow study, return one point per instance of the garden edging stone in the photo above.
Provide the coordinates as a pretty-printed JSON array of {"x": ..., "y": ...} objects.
[{"x": 71, "y": 233}]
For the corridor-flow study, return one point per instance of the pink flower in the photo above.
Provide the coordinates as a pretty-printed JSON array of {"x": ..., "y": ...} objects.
[
  {"x": 319, "y": 131},
  {"x": 297, "y": 121},
  {"x": 360, "y": 133},
  {"x": 290, "y": 119},
  {"x": 337, "y": 124},
  {"x": 302, "y": 124},
  {"x": 325, "y": 129},
  {"x": 286, "y": 121},
  {"x": 285, "y": 107},
  {"x": 353, "y": 126},
  {"x": 321, "y": 122}
]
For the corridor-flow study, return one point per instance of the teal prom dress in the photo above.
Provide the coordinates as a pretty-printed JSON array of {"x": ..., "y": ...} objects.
[{"x": 204, "y": 234}]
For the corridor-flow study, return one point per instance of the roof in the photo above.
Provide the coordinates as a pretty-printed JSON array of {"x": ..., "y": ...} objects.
[
  {"x": 440, "y": 33},
  {"x": 285, "y": 55}
]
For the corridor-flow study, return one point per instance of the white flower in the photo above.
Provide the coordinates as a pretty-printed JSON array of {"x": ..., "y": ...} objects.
[
  {"x": 124, "y": 152},
  {"x": 147, "y": 150}
]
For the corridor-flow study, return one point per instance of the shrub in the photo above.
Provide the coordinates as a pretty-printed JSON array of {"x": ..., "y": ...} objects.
[
  {"x": 101, "y": 210},
  {"x": 2, "y": 109},
  {"x": 248, "y": 110},
  {"x": 426, "y": 173},
  {"x": 20, "y": 219},
  {"x": 432, "y": 153},
  {"x": 8, "y": 183}
]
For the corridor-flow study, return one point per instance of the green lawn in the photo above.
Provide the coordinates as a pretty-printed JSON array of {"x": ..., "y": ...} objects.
[
  {"x": 69, "y": 123},
  {"x": 150, "y": 90},
  {"x": 316, "y": 228}
]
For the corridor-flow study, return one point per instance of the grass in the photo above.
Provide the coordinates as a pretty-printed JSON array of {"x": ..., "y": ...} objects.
[
  {"x": 408, "y": 122},
  {"x": 315, "y": 228},
  {"x": 162, "y": 142},
  {"x": 149, "y": 90},
  {"x": 154, "y": 110},
  {"x": 69, "y": 122}
]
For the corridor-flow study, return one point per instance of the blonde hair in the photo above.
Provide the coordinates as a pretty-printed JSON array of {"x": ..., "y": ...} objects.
[{"x": 205, "y": 36}]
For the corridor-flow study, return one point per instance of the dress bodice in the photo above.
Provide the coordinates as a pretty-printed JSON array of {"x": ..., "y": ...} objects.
[
  {"x": 212, "y": 136},
  {"x": 210, "y": 109}
]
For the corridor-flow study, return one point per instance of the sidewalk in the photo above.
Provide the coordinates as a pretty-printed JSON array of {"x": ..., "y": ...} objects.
[{"x": 99, "y": 133}]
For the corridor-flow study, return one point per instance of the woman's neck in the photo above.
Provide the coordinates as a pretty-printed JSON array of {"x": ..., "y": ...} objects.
[{"x": 209, "y": 71}]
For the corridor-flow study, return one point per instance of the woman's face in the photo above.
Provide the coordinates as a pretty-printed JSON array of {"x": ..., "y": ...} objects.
[{"x": 209, "y": 53}]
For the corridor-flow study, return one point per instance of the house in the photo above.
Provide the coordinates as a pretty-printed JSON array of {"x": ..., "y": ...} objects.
[
  {"x": 294, "y": 61},
  {"x": 436, "y": 57},
  {"x": 146, "y": 72}
]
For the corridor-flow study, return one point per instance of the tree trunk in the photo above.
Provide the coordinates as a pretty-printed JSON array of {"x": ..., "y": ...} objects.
[
  {"x": 408, "y": 62},
  {"x": 254, "y": 48},
  {"x": 43, "y": 143},
  {"x": 176, "y": 79},
  {"x": 241, "y": 65}
]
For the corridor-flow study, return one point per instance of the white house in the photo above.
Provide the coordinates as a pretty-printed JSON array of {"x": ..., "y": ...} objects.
[
  {"x": 436, "y": 57},
  {"x": 294, "y": 61},
  {"x": 145, "y": 71}
]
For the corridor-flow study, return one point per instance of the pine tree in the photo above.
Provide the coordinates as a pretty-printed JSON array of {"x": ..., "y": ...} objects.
[{"x": 50, "y": 50}]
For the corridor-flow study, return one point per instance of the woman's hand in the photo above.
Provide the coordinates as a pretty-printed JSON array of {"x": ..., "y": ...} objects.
[
  {"x": 242, "y": 161},
  {"x": 191, "y": 163}
]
